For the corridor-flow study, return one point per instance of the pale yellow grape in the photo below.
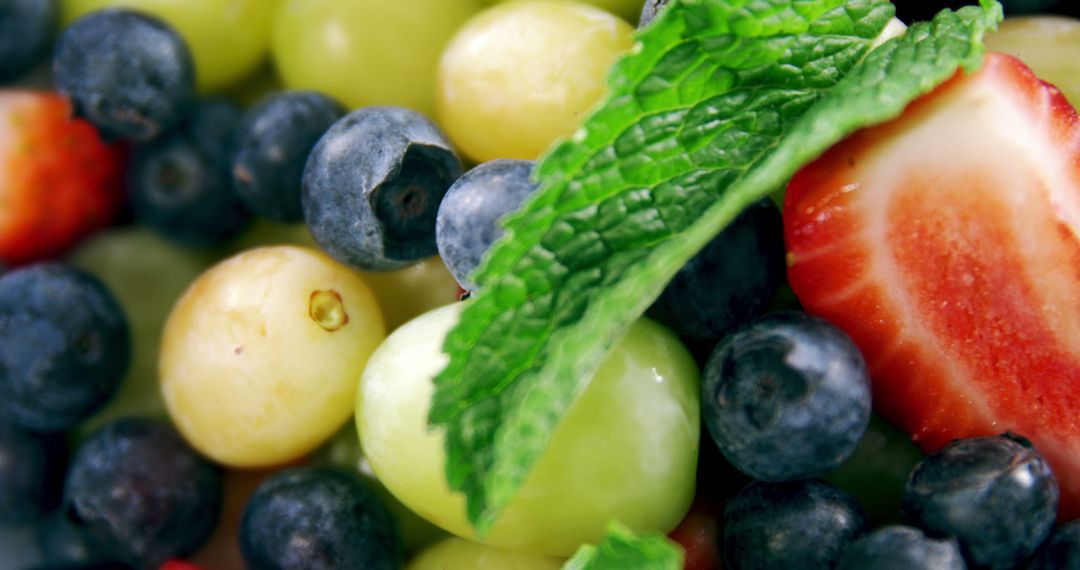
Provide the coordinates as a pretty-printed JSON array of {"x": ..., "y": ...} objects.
[
  {"x": 520, "y": 75},
  {"x": 227, "y": 38},
  {"x": 367, "y": 52},
  {"x": 1049, "y": 45},
  {"x": 629, "y": 10},
  {"x": 461, "y": 554},
  {"x": 626, "y": 450},
  {"x": 402, "y": 293},
  {"x": 261, "y": 354}
]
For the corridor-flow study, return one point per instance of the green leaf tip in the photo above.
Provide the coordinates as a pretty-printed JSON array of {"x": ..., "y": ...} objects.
[
  {"x": 621, "y": 549},
  {"x": 717, "y": 106}
]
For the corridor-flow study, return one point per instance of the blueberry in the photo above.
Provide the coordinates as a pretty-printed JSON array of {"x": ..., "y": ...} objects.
[
  {"x": 802, "y": 524},
  {"x": 31, "y": 474},
  {"x": 26, "y": 29},
  {"x": 19, "y": 547},
  {"x": 730, "y": 281},
  {"x": 467, "y": 222},
  {"x": 786, "y": 397},
  {"x": 1061, "y": 551},
  {"x": 372, "y": 187},
  {"x": 899, "y": 547},
  {"x": 650, "y": 10},
  {"x": 996, "y": 495},
  {"x": 272, "y": 144},
  {"x": 180, "y": 184},
  {"x": 64, "y": 346},
  {"x": 318, "y": 518},
  {"x": 66, "y": 543},
  {"x": 127, "y": 73},
  {"x": 135, "y": 486}
]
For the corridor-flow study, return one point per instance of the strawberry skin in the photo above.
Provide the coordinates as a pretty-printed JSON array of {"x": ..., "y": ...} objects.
[
  {"x": 58, "y": 180},
  {"x": 945, "y": 242}
]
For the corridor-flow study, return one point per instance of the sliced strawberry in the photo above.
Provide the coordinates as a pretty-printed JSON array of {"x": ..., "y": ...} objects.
[
  {"x": 946, "y": 244},
  {"x": 58, "y": 181}
]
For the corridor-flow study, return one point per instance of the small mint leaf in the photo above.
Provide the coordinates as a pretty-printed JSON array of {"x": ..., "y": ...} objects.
[
  {"x": 719, "y": 105},
  {"x": 621, "y": 549}
]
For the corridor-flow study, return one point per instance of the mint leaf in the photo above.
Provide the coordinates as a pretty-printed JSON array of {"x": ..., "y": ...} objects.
[
  {"x": 621, "y": 549},
  {"x": 719, "y": 105}
]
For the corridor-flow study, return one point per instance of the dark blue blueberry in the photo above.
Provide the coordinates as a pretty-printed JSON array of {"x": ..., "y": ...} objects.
[
  {"x": 26, "y": 29},
  {"x": 467, "y": 222},
  {"x": 272, "y": 145},
  {"x": 372, "y": 187},
  {"x": 1061, "y": 551},
  {"x": 31, "y": 474},
  {"x": 135, "y": 486},
  {"x": 127, "y": 73},
  {"x": 19, "y": 548},
  {"x": 180, "y": 184},
  {"x": 650, "y": 10},
  {"x": 318, "y": 518},
  {"x": 64, "y": 346},
  {"x": 730, "y": 281},
  {"x": 996, "y": 495},
  {"x": 786, "y": 397},
  {"x": 65, "y": 543},
  {"x": 899, "y": 547},
  {"x": 784, "y": 526}
]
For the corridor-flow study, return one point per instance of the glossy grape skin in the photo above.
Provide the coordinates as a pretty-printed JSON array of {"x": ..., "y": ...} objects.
[
  {"x": 627, "y": 450},
  {"x": 500, "y": 97},
  {"x": 1049, "y": 45},
  {"x": 260, "y": 356},
  {"x": 460, "y": 554},
  {"x": 226, "y": 39},
  {"x": 361, "y": 49}
]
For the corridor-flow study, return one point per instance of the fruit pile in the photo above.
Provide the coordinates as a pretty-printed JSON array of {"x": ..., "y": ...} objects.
[{"x": 234, "y": 238}]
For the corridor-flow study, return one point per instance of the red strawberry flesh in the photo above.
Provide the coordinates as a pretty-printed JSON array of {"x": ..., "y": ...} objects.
[
  {"x": 946, "y": 244},
  {"x": 58, "y": 181}
]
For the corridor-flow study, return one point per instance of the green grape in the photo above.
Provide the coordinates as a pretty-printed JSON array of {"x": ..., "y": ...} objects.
[
  {"x": 626, "y": 450},
  {"x": 501, "y": 97},
  {"x": 461, "y": 554},
  {"x": 260, "y": 356},
  {"x": 147, "y": 274},
  {"x": 228, "y": 39},
  {"x": 343, "y": 450},
  {"x": 1049, "y": 45},
  {"x": 877, "y": 471},
  {"x": 367, "y": 52}
]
